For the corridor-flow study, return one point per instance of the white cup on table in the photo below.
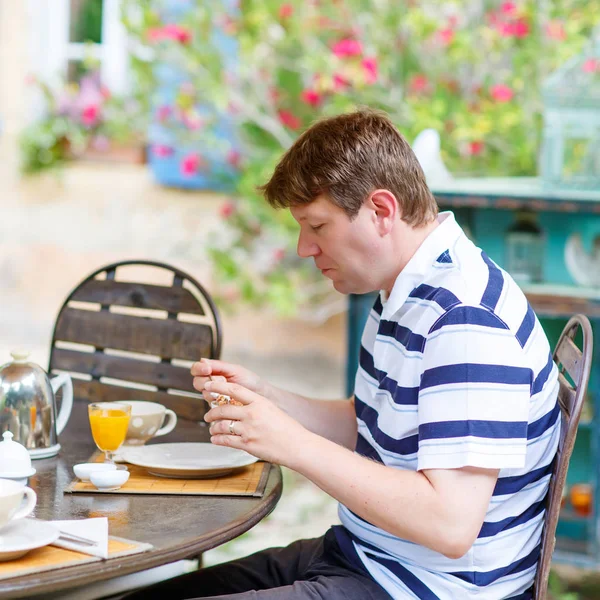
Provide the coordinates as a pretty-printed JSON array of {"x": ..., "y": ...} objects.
[{"x": 11, "y": 496}]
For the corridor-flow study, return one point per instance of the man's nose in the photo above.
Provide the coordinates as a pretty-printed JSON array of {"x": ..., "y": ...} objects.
[{"x": 306, "y": 248}]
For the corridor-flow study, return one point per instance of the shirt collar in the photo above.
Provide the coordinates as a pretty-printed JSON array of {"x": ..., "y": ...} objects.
[{"x": 440, "y": 239}]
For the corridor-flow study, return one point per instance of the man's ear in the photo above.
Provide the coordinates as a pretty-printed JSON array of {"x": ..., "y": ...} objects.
[{"x": 385, "y": 210}]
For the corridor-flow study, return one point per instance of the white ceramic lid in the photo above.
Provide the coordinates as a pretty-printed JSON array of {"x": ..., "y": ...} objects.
[{"x": 14, "y": 458}]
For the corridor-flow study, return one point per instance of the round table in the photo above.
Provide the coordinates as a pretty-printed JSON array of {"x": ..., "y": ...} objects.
[{"x": 177, "y": 526}]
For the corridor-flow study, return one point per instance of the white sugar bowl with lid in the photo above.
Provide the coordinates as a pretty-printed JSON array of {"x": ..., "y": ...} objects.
[{"x": 15, "y": 462}]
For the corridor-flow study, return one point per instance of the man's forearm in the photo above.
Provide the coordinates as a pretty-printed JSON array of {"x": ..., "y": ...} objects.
[
  {"x": 332, "y": 419},
  {"x": 401, "y": 502}
]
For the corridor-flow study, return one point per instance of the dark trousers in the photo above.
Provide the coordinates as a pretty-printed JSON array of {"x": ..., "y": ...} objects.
[{"x": 306, "y": 570}]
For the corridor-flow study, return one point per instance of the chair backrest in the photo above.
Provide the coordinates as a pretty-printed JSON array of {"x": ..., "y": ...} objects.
[
  {"x": 574, "y": 370},
  {"x": 136, "y": 324}
]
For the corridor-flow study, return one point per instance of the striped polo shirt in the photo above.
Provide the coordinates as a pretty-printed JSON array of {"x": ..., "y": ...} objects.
[{"x": 455, "y": 371}]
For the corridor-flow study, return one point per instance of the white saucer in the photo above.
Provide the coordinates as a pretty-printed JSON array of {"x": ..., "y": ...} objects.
[
  {"x": 187, "y": 460},
  {"x": 20, "y": 536}
]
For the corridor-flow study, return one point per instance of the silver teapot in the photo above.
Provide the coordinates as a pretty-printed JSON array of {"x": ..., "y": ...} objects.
[{"x": 28, "y": 405}]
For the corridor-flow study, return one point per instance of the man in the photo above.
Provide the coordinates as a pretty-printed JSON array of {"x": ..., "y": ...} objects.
[{"x": 441, "y": 460}]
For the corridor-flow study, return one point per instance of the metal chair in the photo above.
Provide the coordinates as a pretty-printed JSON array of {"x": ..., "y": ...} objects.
[
  {"x": 574, "y": 371},
  {"x": 118, "y": 334}
]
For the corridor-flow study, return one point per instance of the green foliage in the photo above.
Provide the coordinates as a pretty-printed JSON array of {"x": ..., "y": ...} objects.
[{"x": 470, "y": 69}]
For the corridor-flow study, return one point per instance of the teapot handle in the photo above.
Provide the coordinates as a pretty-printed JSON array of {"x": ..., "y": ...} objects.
[{"x": 67, "y": 400}]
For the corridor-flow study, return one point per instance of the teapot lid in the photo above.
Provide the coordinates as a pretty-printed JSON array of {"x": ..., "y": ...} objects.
[{"x": 14, "y": 458}]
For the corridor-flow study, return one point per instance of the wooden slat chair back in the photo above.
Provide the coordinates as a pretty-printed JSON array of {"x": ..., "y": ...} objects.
[
  {"x": 574, "y": 370},
  {"x": 114, "y": 332}
]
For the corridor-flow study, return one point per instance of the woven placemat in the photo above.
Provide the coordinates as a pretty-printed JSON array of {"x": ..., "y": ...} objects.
[
  {"x": 249, "y": 481},
  {"x": 49, "y": 558}
]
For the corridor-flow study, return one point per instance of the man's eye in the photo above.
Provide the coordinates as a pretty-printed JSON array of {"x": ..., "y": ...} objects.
[{"x": 317, "y": 227}]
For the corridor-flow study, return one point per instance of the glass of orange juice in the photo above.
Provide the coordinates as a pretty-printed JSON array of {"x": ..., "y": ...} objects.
[{"x": 109, "y": 422}]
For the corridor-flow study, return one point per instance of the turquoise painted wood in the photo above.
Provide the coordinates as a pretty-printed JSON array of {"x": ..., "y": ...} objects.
[{"x": 486, "y": 208}]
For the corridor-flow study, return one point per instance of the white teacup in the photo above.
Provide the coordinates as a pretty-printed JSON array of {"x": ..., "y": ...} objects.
[
  {"x": 11, "y": 495},
  {"x": 148, "y": 420}
]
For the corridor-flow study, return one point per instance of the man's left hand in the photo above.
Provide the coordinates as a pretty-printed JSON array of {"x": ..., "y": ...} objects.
[{"x": 259, "y": 427}]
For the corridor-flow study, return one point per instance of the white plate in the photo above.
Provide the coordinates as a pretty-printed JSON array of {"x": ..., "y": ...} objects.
[
  {"x": 188, "y": 460},
  {"x": 20, "y": 536}
]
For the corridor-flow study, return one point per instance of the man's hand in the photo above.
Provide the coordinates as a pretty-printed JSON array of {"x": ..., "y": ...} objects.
[
  {"x": 258, "y": 427},
  {"x": 223, "y": 371}
]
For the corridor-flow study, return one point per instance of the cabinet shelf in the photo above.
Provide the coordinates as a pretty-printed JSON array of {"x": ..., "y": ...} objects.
[{"x": 551, "y": 300}]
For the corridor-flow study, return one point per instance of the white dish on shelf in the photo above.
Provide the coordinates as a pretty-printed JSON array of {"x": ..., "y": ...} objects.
[
  {"x": 20, "y": 536},
  {"x": 188, "y": 460}
]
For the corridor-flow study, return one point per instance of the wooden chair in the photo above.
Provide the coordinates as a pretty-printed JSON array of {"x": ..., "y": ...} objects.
[
  {"x": 574, "y": 371},
  {"x": 119, "y": 330}
]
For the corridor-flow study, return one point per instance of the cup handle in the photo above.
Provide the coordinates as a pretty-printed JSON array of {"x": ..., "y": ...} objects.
[
  {"x": 28, "y": 508},
  {"x": 171, "y": 419}
]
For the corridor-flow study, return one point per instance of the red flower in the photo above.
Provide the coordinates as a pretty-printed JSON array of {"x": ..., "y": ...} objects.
[
  {"x": 90, "y": 114},
  {"x": 346, "y": 48},
  {"x": 501, "y": 92},
  {"x": 518, "y": 29},
  {"x": 339, "y": 82},
  {"x": 311, "y": 97},
  {"x": 556, "y": 30},
  {"x": 286, "y": 11},
  {"x": 476, "y": 147},
  {"x": 190, "y": 164},
  {"x": 418, "y": 83},
  {"x": 174, "y": 32},
  {"x": 289, "y": 119},
  {"x": 163, "y": 112},
  {"x": 234, "y": 158},
  {"x": 161, "y": 151},
  {"x": 370, "y": 69},
  {"x": 591, "y": 65},
  {"x": 227, "y": 209},
  {"x": 508, "y": 8},
  {"x": 446, "y": 35}
]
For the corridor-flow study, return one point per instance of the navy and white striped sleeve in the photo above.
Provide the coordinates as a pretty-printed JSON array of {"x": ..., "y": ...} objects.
[{"x": 474, "y": 394}]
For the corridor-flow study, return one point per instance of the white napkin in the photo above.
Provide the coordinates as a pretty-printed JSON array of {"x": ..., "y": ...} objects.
[{"x": 95, "y": 529}]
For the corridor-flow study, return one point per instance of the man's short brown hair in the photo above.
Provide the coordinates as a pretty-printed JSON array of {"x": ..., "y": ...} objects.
[{"x": 346, "y": 158}]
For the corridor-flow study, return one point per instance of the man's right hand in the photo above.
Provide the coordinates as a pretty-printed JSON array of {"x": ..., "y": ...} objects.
[{"x": 217, "y": 369}]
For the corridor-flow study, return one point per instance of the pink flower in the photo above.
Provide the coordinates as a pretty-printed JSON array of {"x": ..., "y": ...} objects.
[
  {"x": 286, "y": 11},
  {"x": 501, "y": 92},
  {"x": 173, "y": 32},
  {"x": 278, "y": 255},
  {"x": 163, "y": 112},
  {"x": 192, "y": 120},
  {"x": 30, "y": 79},
  {"x": 311, "y": 97},
  {"x": 90, "y": 114},
  {"x": 446, "y": 35},
  {"x": 521, "y": 29},
  {"x": 289, "y": 119},
  {"x": 591, "y": 65},
  {"x": 234, "y": 158},
  {"x": 418, "y": 83},
  {"x": 370, "y": 69},
  {"x": 161, "y": 151},
  {"x": 347, "y": 47},
  {"x": 339, "y": 82},
  {"x": 227, "y": 209},
  {"x": 190, "y": 164},
  {"x": 274, "y": 94},
  {"x": 476, "y": 147},
  {"x": 508, "y": 8},
  {"x": 555, "y": 30},
  {"x": 518, "y": 29},
  {"x": 100, "y": 143}
]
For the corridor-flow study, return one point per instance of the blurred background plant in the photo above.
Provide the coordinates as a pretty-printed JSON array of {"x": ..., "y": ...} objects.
[
  {"x": 79, "y": 118},
  {"x": 266, "y": 69}
]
